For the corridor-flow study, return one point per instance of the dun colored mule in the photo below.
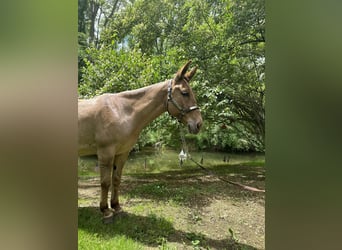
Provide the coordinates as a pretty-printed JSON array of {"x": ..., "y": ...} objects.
[{"x": 109, "y": 125}]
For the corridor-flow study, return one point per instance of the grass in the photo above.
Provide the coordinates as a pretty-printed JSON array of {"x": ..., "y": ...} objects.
[
  {"x": 164, "y": 203},
  {"x": 128, "y": 231},
  {"x": 151, "y": 162}
]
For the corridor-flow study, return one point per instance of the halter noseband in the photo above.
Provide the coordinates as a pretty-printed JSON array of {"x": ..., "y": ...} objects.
[{"x": 170, "y": 99}]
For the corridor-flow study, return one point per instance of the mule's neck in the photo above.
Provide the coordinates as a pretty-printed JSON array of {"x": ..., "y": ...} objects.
[{"x": 148, "y": 103}]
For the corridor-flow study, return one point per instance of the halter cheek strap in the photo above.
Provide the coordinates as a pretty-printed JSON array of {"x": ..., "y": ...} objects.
[{"x": 183, "y": 111}]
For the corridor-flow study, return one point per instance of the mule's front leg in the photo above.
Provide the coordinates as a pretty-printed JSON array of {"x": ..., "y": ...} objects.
[
  {"x": 106, "y": 160},
  {"x": 116, "y": 180}
]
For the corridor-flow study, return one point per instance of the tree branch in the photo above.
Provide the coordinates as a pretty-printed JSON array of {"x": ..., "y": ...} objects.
[
  {"x": 111, "y": 13},
  {"x": 260, "y": 40}
]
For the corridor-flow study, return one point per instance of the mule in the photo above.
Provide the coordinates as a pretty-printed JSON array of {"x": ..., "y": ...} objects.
[{"x": 109, "y": 126}]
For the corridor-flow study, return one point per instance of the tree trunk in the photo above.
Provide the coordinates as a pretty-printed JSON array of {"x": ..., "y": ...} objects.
[{"x": 94, "y": 7}]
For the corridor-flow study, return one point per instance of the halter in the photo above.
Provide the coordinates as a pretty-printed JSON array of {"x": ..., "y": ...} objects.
[{"x": 170, "y": 99}]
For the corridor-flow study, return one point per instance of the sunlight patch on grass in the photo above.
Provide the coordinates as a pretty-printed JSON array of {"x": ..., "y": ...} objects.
[
  {"x": 90, "y": 241},
  {"x": 128, "y": 231},
  {"x": 83, "y": 202}
]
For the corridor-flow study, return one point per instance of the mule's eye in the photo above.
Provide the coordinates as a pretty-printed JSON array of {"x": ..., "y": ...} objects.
[{"x": 185, "y": 93}]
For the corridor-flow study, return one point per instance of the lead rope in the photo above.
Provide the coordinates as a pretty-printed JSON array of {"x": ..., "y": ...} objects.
[
  {"x": 184, "y": 145},
  {"x": 184, "y": 154},
  {"x": 188, "y": 156}
]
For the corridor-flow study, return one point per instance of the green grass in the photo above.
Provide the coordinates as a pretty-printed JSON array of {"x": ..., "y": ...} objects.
[
  {"x": 88, "y": 241},
  {"x": 87, "y": 167},
  {"x": 150, "y": 162},
  {"x": 161, "y": 191},
  {"x": 158, "y": 195},
  {"x": 128, "y": 231}
]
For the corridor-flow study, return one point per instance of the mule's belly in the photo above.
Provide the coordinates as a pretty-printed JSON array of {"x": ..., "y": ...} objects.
[
  {"x": 86, "y": 144},
  {"x": 87, "y": 149}
]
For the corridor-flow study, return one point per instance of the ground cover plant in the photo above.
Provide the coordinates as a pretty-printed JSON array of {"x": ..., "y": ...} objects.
[{"x": 171, "y": 207}]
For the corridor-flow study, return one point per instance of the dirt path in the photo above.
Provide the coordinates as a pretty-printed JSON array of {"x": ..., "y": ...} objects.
[{"x": 218, "y": 215}]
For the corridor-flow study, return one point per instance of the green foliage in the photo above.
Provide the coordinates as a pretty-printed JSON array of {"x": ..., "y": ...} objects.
[
  {"x": 196, "y": 239},
  {"x": 142, "y": 42},
  {"x": 109, "y": 70}
]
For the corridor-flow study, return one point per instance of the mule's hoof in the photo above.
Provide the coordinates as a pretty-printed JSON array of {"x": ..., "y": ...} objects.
[
  {"x": 108, "y": 217},
  {"x": 118, "y": 209}
]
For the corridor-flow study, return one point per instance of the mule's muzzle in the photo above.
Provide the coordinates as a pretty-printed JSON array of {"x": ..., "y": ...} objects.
[{"x": 194, "y": 127}]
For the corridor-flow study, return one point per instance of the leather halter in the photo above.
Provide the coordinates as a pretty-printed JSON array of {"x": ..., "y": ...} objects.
[{"x": 183, "y": 111}]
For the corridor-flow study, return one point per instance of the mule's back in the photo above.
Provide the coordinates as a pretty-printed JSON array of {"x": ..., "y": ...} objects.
[{"x": 101, "y": 121}]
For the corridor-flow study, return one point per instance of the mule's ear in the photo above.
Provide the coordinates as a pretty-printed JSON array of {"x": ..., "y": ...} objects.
[
  {"x": 181, "y": 72},
  {"x": 191, "y": 73}
]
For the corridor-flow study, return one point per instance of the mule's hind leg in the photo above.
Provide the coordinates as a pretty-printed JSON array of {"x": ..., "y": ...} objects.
[
  {"x": 116, "y": 180},
  {"x": 105, "y": 159}
]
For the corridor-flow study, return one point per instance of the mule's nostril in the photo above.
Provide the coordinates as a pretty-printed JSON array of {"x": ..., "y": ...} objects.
[{"x": 199, "y": 124}]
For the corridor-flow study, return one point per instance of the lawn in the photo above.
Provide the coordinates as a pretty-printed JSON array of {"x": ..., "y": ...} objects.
[{"x": 171, "y": 207}]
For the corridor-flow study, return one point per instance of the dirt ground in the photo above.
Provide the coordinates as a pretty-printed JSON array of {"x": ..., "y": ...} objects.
[{"x": 221, "y": 215}]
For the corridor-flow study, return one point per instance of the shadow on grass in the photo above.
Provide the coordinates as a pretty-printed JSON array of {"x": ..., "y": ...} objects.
[
  {"x": 148, "y": 230},
  {"x": 246, "y": 171},
  {"x": 194, "y": 187},
  {"x": 191, "y": 186}
]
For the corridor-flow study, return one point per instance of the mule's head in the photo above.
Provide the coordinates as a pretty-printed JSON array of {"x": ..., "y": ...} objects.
[{"x": 181, "y": 100}]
